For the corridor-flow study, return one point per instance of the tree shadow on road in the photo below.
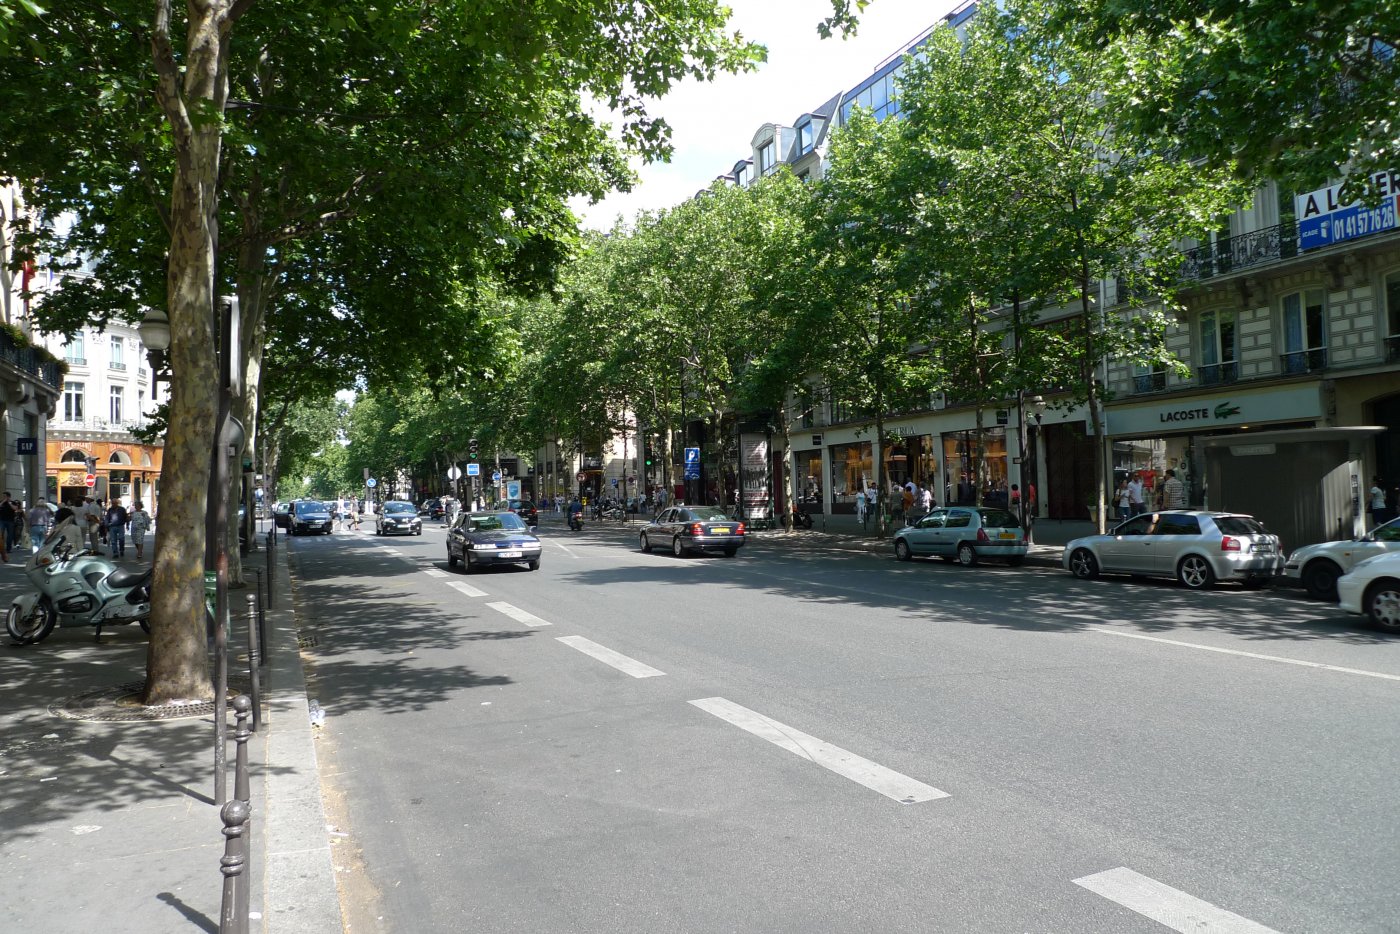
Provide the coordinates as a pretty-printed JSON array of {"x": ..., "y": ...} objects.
[{"x": 1024, "y": 598}]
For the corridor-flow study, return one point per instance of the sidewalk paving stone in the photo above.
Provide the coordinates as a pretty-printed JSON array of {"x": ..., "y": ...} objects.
[{"x": 112, "y": 826}]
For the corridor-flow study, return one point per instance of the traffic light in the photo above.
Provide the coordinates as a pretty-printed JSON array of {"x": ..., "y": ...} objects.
[{"x": 472, "y": 449}]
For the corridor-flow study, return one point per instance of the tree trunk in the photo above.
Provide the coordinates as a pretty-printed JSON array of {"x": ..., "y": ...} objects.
[
  {"x": 1095, "y": 411},
  {"x": 176, "y": 661}
]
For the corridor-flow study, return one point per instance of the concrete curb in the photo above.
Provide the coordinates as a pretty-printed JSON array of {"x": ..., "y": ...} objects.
[{"x": 299, "y": 890}]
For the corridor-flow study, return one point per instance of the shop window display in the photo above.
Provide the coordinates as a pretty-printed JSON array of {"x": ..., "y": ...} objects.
[
  {"x": 962, "y": 485},
  {"x": 851, "y": 466}
]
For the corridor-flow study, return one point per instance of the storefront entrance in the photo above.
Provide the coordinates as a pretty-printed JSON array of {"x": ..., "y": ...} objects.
[{"x": 1069, "y": 470}]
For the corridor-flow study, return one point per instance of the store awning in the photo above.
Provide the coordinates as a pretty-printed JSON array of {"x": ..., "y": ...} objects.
[{"x": 1355, "y": 434}]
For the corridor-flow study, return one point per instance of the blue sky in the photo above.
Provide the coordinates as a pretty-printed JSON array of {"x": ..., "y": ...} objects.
[{"x": 713, "y": 123}]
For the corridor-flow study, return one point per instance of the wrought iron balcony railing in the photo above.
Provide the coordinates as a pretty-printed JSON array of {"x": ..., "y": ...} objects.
[
  {"x": 1392, "y": 349},
  {"x": 1304, "y": 361},
  {"x": 26, "y": 359},
  {"x": 1228, "y": 254},
  {"x": 1218, "y": 374},
  {"x": 1149, "y": 382}
]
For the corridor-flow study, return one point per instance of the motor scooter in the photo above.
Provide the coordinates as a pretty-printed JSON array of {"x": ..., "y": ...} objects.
[
  {"x": 83, "y": 589},
  {"x": 575, "y": 522}
]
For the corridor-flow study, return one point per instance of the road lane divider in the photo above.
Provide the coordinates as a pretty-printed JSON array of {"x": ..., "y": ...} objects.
[
  {"x": 466, "y": 589},
  {"x": 607, "y": 656},
  {"x": 435, "y": 572},
  {"x": 519, "y": 615},
  {"x": 1267, "y": 658},
  {"x": 872, "y": 775},
  {"x": 1167, "y": 906}
]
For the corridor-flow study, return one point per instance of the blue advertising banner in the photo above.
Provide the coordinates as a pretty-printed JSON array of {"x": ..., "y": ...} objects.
[{"x": 1324, "y": 217}]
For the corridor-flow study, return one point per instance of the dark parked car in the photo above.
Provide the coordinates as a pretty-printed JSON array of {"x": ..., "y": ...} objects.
[
  {"x": 484, "y": 539},
  {"x": 398, "y": 518},
  {"x": 310, "y": 516},
  {"x": 431, "y": 509},
  {"x": 694, "y": 528},
  {"x": 526, "y": 510}
]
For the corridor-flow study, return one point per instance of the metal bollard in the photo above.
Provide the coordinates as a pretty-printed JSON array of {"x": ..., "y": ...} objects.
[
  {"x": 254, "y": 662},
  {"x": 269, "y": 578},
  {"x": 242, "y": 706},
  {"x": 232, "y": 864},
  {"x": 262, "y": 617}
]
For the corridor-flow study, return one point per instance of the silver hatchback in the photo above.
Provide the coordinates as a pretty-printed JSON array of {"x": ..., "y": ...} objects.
[
  {"x": 965, "y": 534},
  {"x": 1197, "y": 548}
]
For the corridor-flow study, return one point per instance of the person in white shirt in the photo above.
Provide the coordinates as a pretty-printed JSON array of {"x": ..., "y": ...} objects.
[
  {"x": 1135, "y": 503},
  {"x": 1379, "y": 513},
  {"x": 860, "y": 506}
]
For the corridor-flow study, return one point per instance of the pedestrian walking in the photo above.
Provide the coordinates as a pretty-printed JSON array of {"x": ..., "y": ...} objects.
[
  {"x": 88, "y": 518},
  {"x": 861, "y": 507},
  {"x": 37, "y": 518},
  {"x": 9, "y": 523},
  {"x": 1173, "y": 492},
  {"x": 1135, "y": 500},
  {"x": 1379, "y": 512},
  {"x": 140, "y": 525},
  {"x": 1125, "y": 500},
  {"x": 115, "y": 520}
]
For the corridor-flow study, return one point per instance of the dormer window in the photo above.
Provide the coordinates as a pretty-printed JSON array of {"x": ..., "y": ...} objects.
[
  {"x": 807, "y": 137},
  {"x": 767, "y": 157},
  {"x": 741, "y": 176}
]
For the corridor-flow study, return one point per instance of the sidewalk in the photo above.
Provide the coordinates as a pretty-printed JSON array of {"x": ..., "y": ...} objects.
[{"x": 109, "y": 824}]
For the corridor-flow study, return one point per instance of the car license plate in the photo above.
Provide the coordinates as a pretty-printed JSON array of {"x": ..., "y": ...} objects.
[
  {"x": 1266, "y": 549},
  {"x": 509, "y": 554},
  {"x": 1007, "y": 536},
  {"x": 719, "y": 530}
]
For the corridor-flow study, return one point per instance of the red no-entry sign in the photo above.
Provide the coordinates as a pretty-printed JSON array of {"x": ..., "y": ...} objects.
[{"x": 91, "y": 480}]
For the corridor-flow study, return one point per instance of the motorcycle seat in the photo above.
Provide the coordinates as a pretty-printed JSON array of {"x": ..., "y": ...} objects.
[{"x": 124, "y": 577}]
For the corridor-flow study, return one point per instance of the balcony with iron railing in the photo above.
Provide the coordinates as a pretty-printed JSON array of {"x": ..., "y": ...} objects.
[
  {"x": 97, "y": 423},
  {"x": 1218, "y": 374},
  {"x": 1303, "y": 361},
  {"x": 25, "y": 357},
  {"x": 1231, "y": 254},
  {"x": 1392, "y": 349},
  {"x": 1149, "y": 382}
]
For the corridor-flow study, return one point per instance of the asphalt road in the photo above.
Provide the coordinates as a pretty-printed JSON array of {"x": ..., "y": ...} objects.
[{"x": 806, "y": 741}]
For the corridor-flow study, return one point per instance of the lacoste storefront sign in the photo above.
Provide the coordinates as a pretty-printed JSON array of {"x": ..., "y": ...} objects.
[
  {"x": 1284, "y": 404},
  {"x": 1222, "y": 411}
]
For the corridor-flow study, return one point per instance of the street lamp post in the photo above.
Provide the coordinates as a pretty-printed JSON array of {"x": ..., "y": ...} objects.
[{"x": 1027, "y": 505}]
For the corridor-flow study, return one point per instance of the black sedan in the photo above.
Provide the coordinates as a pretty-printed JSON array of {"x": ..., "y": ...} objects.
[
  {"x": 485, "y": 539},
  {"x": 310, "y": 517},
  {"x": 526, "y": 510},
  {"x": 398, "y": 518},
  {"x": 694, "y": 528}
]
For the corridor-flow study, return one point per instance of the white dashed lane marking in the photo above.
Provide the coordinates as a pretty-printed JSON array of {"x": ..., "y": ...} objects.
[
  {"x": 876, "y": 777},
  {"x": 467, "y": 589},
  {"x": 435, "y": 572},
  {"x": 607, "y": 656},
  {"x": 1167, "y": 906},
  {"x": 1267, "y": 658},
  {"x": 517, "y": 614}
]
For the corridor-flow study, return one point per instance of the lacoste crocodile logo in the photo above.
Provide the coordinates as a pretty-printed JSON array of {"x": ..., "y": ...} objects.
[{"x": 1225, "y": 410}]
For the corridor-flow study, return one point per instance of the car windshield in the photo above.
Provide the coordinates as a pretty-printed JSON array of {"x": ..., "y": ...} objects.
[
  {"x": 1240, "y": 525},
  {"x": 393, "y": 509},
  {"x": 999, "y": 519},
  {"x": 503, "y": 521},
  {"x": 708, "y": 514},
  {"x": 304, "y": 509}
]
